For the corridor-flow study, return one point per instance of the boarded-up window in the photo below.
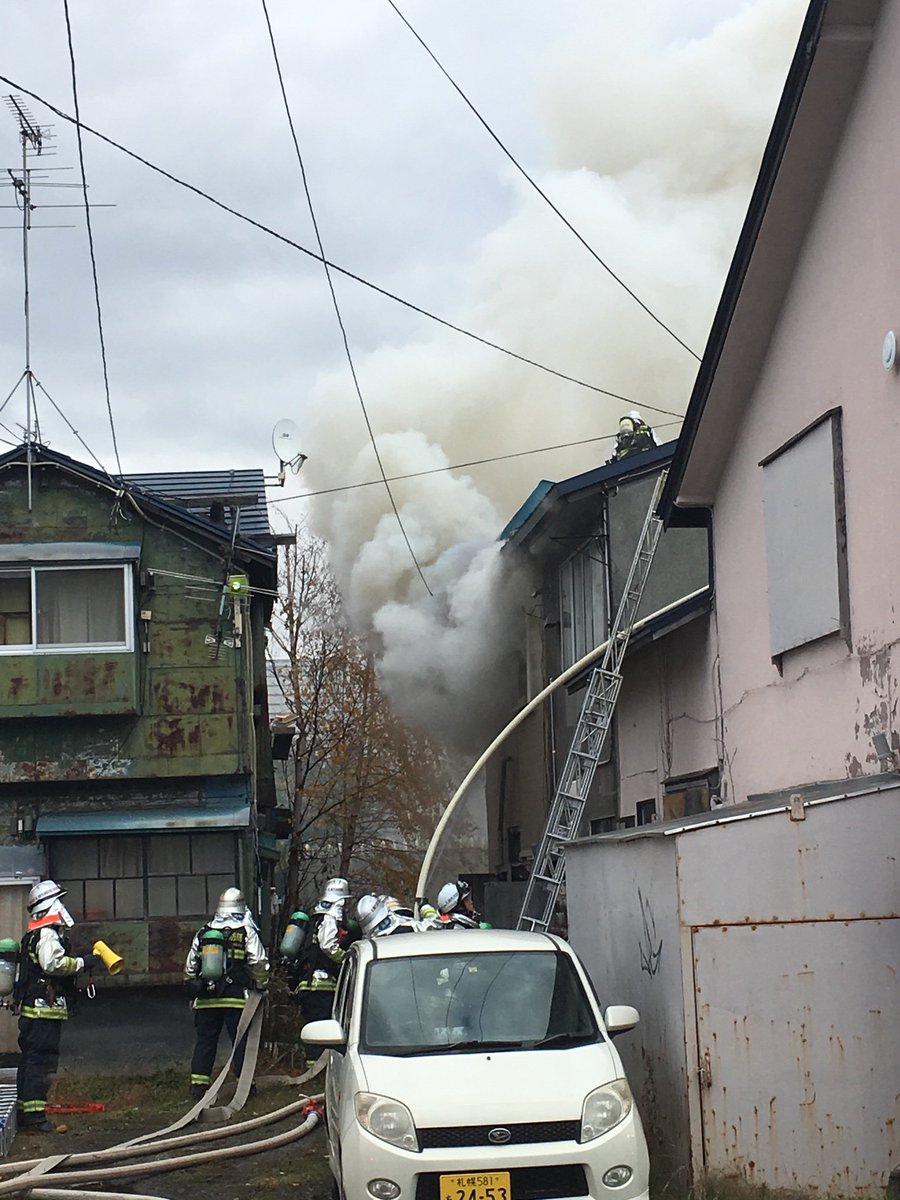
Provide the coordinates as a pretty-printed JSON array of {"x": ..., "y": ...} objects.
[{"x": 806, "y": 561}]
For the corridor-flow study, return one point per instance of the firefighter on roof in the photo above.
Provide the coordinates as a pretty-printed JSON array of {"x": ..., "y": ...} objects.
[
  {"x": 44, "y": 993},
  {"x": 225, "y": 961},
  {"x": 634, "y": 436}
]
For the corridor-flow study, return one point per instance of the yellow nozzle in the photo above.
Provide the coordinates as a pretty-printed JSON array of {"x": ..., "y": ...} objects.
[{"x": 114, "y": 962}]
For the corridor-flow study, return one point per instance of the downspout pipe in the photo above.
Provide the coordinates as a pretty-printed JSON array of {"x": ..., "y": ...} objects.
[{"x": 588, "y": 660}]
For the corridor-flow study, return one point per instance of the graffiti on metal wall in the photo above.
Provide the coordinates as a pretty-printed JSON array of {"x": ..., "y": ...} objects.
[{"x": 650, "y": 946}]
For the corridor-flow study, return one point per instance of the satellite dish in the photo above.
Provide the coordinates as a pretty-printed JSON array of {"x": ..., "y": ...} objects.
[{"x": 286, "y": 440}]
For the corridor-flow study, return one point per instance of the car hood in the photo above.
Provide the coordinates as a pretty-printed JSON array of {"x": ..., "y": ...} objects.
[{"x": 505, "y": 1086}]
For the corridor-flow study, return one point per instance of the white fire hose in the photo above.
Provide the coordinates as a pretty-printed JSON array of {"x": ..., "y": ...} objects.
[{"x": 517, "y": 720}]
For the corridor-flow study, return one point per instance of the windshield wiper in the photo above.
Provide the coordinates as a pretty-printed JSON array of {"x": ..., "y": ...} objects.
[
  {"x": 451, "y": 1048},
  {"x": 562, "y": 1039}
]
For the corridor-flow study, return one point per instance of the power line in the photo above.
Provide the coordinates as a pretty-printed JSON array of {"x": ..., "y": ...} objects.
[
  {"x": 515, "y": 162},
  {"x": 336, "y": 306},
  {"x": 64, "y": 116},
  {"x": 90, "y": 234},
  {"x": 475, "y": 462}
]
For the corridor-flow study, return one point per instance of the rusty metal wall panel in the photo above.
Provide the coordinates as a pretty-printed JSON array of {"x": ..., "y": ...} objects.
[
  {"x": 798, "y": 1040},
  {"x": 623, "y": 923},
  {"x": 841, "y": 861},
  {"x": 60, "y": 685}
]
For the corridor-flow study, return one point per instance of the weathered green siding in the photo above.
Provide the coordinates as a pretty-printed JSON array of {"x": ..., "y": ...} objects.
[{"x": 165, "y": 710}]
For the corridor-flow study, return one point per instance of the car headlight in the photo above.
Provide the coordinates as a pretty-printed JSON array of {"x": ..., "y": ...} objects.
[
  {"x": 387, "y": 1119},
  {"x": 604, "y": 1108}
]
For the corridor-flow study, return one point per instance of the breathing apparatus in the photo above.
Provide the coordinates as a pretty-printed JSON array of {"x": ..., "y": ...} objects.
[
  {"x": 295, "y": 935},
  {"x": 9, "y": 968}
]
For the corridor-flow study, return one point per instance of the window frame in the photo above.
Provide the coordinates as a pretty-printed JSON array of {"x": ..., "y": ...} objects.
[
  {"x": 32, "y": 647},
  {"x": 833, "y": 417},
  {"x": 591, "y": 556},
  {"x": 69, "y": 880}
]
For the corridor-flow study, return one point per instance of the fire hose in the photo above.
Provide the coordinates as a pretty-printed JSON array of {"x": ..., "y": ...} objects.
[
  {"x": 583, "y": 663},
  {"x": 31, "y": 1172},
  {"x": 30, "y": 1181}
]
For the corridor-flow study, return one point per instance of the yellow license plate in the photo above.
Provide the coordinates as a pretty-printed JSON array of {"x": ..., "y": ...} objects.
[{"x": 482, "y": 1185}]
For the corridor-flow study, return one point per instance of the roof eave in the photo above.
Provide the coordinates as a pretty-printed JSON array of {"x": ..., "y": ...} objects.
[{"x": 805, "y": 134}]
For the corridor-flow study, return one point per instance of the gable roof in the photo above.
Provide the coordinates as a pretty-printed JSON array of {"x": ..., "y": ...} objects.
[
  {"x": 198, "y": 490},
  {"x": 144, "y": 499},
  {"x": 547, "y": 496},
  {"x": 824, "y": 75}
]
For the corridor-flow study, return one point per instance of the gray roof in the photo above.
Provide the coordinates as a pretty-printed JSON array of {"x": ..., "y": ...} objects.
[{"x": 198, "y": 490}]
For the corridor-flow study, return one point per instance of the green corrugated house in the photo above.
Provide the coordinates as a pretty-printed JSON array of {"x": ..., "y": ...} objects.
[{"x": 134, "y": 732}]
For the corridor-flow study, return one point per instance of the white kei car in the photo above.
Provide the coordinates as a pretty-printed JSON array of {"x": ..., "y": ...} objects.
[{"x": 476, "y": 1065}]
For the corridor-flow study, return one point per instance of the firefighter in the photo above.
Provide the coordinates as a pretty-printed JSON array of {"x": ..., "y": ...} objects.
[
  {"x": 456, "y": 906},
  {"x": 45, "y": 992},
  {"x": 220, "y": 988},
  {"x": 634, "y": 436},
  {"x": 317, "y": 968},
  {"x": 403, "y": 915},
  {"x": 376, "y": 920}
]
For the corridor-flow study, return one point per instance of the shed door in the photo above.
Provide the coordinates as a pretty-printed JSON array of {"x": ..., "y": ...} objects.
[
  {"x": 13, "y": 922},
  {"x": 799, "y": 1054}
]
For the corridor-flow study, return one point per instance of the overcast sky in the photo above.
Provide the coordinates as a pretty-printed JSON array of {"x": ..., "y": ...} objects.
[
  {"x": 644, "y": 122},
  {"x": 214, "y": 330}
]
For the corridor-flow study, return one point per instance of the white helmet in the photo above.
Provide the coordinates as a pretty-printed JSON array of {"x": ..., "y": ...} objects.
[
  {"x": 336, "y": 890},
  {"x": 232, "y": 905},
  {"x": 41, "y": 896},
  {"x": 452, "y": 894},
  {"x": 45, "y": 900},
  {"x": 374, "y": 916}
]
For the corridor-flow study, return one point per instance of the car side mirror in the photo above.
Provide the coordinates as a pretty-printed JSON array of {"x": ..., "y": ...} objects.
[
  {"x": 619, "y": 1018},
  {"x": 328, "y": 1034}
]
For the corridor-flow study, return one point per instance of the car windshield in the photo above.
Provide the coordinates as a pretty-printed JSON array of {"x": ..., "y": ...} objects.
[{"x": 432, "y": 1004}]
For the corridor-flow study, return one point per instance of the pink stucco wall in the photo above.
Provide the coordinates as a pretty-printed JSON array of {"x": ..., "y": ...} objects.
[{"x": 814, "y": 722}]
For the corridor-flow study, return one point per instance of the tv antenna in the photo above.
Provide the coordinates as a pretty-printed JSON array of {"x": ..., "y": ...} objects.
[
  {"x": 36, "y": 142},
  {"x": 286, "y": 444}
]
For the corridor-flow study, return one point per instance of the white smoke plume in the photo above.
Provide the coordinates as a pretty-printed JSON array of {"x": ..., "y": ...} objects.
[{"x": 653, "y": 144}]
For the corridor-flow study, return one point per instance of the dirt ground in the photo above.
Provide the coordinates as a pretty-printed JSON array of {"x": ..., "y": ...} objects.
[{"x": 298, "y": 1171}]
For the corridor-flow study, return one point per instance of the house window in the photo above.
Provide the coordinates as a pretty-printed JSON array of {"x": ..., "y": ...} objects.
[
  {"x": 690, "y": 794},
  {"x": 806, "y": 550},
  {"x": 65, "y": 608},
  {"x": 132, "y": 878},
  {"x": 583, "y": 608},
  {"x": 645, "y": 811},
  {"x": 599, "y": 825}
]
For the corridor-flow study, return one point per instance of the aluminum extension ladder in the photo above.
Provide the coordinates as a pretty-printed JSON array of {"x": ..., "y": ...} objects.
[{"x": 548, "y": 871}]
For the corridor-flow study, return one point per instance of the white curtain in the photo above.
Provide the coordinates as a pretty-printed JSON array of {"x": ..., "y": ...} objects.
[{"x": 80, "y": 607}]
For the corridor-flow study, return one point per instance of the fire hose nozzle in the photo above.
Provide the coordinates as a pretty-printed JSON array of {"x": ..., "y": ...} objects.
[{"x": 114, "y": 962}]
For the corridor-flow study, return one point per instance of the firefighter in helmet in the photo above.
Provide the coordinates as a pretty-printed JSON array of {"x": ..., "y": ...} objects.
[
  {"x": 456, "y": 906},
  {"x": 236, "y": 963},
  {"x": 317, "y": 968},
  {"x": 634, "y": 435},
  {"x": 45, "y": 992}
]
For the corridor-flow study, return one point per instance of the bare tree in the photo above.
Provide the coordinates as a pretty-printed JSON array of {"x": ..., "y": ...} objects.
[{"x": 364, "y": 788}]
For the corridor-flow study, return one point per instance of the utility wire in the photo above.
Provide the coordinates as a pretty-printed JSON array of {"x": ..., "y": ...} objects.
[
  {"x": 64, "y": 116},
  {"x": 336, "y": 306},
  {"x": 90, "y": 234},
  {"x": 475, "y": 462},
  {"x": 515, "y": 162},
  {"x": 75, "y": 432}
]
